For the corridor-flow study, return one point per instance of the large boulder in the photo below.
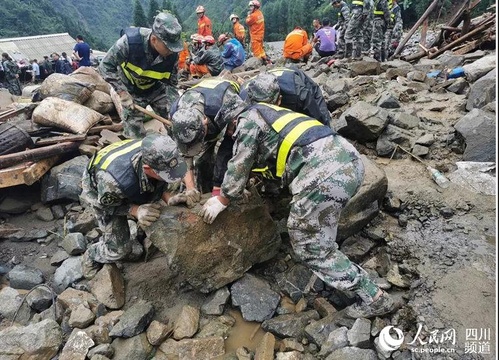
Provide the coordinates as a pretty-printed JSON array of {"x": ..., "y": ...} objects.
[
  {"x": 363, "y": 122},
  {"x": 211, "y": 256},
  {"x": 64, "y": 181},
  {"x": 483, "y": 91},
  {"x": 365, "y": 205},
  {"x": 478, "y": 128}
]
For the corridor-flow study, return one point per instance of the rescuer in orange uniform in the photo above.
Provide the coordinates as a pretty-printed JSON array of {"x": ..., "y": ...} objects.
[
  {"x": 204, "y": 22},
  {"x": 256, "y": 24},
  {"x": 296, "y": 45},
  {"x": 238, "y": 29}
]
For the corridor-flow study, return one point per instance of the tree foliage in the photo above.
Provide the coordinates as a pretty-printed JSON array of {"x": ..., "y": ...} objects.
[
  {"x": 139, "y": 16},
  {"x": 153, "y": 10}
]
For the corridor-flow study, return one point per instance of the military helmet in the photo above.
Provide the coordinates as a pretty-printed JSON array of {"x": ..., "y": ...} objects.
[
  {"x": 263, "y": 88},
  {"x": 200, "y": 9}
]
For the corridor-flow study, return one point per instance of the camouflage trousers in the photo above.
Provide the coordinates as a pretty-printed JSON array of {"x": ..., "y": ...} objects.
[
  {"x": 378, "y": 39},
  {"x": 160, "y": 100},
  {"x": 313, "y": 225},
  {"x": 114, "y": 243},
  {"x": 368, "y": 33},
  {"x": 392, "y": 38},
  {"x": 341, "y": 39},
  {"x": 354, "y": 32},
  {"x": 14, "y": 86}
]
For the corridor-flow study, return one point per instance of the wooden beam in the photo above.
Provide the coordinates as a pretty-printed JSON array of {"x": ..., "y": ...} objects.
[
  {"x": 26, "y": 173},
  {"x": 424, "y": 31},
  {"x": 98, "y": 129},
  {"x": 58, "y": 139},
  {"x": 37, "y": 154}
]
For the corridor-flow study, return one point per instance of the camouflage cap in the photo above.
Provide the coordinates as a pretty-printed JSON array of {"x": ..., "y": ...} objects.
[
  {"x": 232, "y": 106},
  {"x": 168, "y": 29},
  {"x": 161, "y": 154},
  {"x": 263, "y": 88},
  {"x": 188, "y": 129}
]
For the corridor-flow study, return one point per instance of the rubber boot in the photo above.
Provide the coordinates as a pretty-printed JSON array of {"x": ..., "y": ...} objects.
[
  {"x": 383, "y": 55},
  {"x": 377, "y": 56},
  {"x": 348, "y": 51}
]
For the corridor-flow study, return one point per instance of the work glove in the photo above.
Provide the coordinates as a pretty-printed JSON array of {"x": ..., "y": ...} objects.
[
  {"x": 211, "y": 209},
  {"x": 126, "y": 100},
  {"x": 190, "y": 198},
  {"x": 147, "y": 214}
]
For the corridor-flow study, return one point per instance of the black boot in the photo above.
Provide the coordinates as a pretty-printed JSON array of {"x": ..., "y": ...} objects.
[
  {"x": 377, "y": 56},
  {"x": 348, "y": 51},
  {"x": 383, "y": 55},
  {"x": 357, "y": 52}
]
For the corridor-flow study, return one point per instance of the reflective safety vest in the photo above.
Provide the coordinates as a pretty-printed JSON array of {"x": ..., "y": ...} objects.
[
  {"x": 137, "y": 69},
  {"x": 294, "y": 129},
  {"x": 213, "y": 91},
  {"x": 377, "y": 9},
  {"x": 116, "y": 159},
  {"x": 357, "y": 3}
]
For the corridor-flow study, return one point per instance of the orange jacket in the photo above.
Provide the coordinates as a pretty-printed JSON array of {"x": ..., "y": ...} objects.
[
  {"x": 294, "y": 42},
  {"x": 256, "y": 24},
  {"x": 204, "y": 26},
  {"x": 239, "y": 32},
  {"x": 182, "y": 56}
]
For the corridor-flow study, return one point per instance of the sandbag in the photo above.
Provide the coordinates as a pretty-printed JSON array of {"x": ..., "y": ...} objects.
[
  {"x": 90, "y": 75},
  {"x": 66, "y": 115},
  {"x": 100, "y": 102},
  {"x": 66, "y": 87}
]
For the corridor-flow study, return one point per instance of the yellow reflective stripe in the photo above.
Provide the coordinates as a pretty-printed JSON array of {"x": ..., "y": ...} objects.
[
  {"x": 288, "y": 142},
  {"x": 279, "y": 72},
  {"x": 209, "y": 83},
  {"x": 134, "y": 81},
  {"x": 148, "y": 73},
  {"x": 379, "y": 12},
  {"x": 280, "y": 123},
  {"x": 361, "y": 3},
  {"x": 265, "y": 172},
  {"x": 109, "y": 148},
  {"x": 119, "y": 153}
]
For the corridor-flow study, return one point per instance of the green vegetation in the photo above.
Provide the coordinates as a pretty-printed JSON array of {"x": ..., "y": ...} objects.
[{"x": 100, "y": 22}]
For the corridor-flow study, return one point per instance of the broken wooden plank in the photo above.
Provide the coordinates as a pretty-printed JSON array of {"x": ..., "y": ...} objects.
[
  {"x": 26, "y": 173},
  {"x": 37, "y": 154},
  {"x": 58, "y": 139},
  {"x": 98, "y": 129},
  {"x": 466, "y": 48},
  {"x": 36, "y": 170}
]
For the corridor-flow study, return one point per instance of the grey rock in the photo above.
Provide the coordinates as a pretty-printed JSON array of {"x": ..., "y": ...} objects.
[
  {"x": 63, "y": 181},
  {"x": 339, "y": 86},
  {"x": 478, "y": 130},
  {"x": 205, "y": 348},
  {"x": 377, "y": 325},
  {"x": 253, "y": 63},
  {"x": 254, "y": 296},
  {"x": 404, "y": 120},
  {"x": 356, "y": 247},
  {"x": 426, "y": 140},
  {"x": 157, "y": 332},
  {"x": 366, "y": 66},
  {"x": 10, "y": 300},
  {"x": 58, "y": 211},
  {"x": 44, "y": 214},
  {"x": 215, "y": 304},
  {"x": 74, "y": 243},
  {"x": 83, "y": 222},
  {"x": 294, "y": 281},
  {"x": 450, "y": 60},
  {"x": 394, "y": 73},
  {"x": 59, "y": 257},
  {"x": 216, "y": 327},
  {"x": 26, "y": 236},
  {"x": 420, "y": 150},
  {"x": 290, "y": 325},
  {"x": 134, "y": 320},
  {"x": 459, "y": 86},
  {"x": 66, "y": 274},
  {"x": 392, "y": 136},
  {"x": 416, "y": 76},
  {"x": 187, "y": 323},
  {"x": 360, "y": 333},
  {"x": 363, "y": 122},
  {"x": 388, "y": 101},
  {"x": 237, "y": 241},
  {"x": 77, "y": 346},
  {"x": 336, "y": 101},
  {"x": 353, "y": 353},
  {"x": 427, "y": 65},
  {"x": 81, "y": 317},
  {"x": 103, "y": 349},
  {"x": 318, "y": 331},
  {"x": 108, "y": 286},
  {"x": 12, "y": 205},
  {"x": 490, "y": 107},
  {"x": 479, "y": 68},
  {"x": 482, "y": 91},
  {"x": 40, "y": 299},
  {"x": 25, "y": 277},
  {"x": 336, "y": 339}
]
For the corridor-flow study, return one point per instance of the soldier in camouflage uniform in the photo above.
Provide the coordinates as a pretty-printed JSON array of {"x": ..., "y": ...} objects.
[
  {"x": 199, "y": 120},
  {"x": 126, "y": 179},
  {"x": 142, "y": 67},
  {"x": 368, "y": 28},
  {"x": 12, "y": 71},
  {"x": 341, "y": 25},
  {"x": 381, "y": 21},
  {"x": 354, "y": 35},
  {"x": 395, "y": 29},
  {"x": 322, "y": 171}
]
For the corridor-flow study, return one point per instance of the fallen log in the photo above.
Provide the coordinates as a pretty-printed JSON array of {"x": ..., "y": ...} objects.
[
  {"x": 37, "y": 154},
  {"x": 98, "y": 129}
]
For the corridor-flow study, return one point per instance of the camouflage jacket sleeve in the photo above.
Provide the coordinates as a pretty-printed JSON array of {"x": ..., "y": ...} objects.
[
  {"x": 398, "y": 23},
  {"x": 345, "y": 15},
  {"x": 386, "y": 11},
  {"x": 108, "y": 67},
  {"x": 244, "y": 154}
]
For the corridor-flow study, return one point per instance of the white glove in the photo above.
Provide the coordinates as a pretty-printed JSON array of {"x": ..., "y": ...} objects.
[
  {"x": 190, "y": 198},
  {"x": 211, "y": 209},
  {"x": 147, "y": 214}
]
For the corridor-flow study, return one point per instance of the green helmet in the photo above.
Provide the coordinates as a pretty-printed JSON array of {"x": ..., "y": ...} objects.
[{"x": 263, "y": 88}]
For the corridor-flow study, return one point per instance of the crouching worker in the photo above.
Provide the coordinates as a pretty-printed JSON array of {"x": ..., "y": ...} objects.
[
  {"x": 322, "y": 172},
  {"x": 124, "y": 179}
]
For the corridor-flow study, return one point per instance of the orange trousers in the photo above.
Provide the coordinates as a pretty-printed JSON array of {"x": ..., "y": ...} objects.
[{"x": 257, "y": 48}]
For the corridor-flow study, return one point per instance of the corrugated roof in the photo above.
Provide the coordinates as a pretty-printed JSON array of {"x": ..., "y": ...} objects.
[{"x": 35, "y": 47}]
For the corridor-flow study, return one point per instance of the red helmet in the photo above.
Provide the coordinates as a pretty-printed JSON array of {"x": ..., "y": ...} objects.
[
  {"x": 222, "y": 38},
  {"x": 254, "y": 3},
  {"x": 200, "y": 9},
  {"x": 208, "y": 39}
]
